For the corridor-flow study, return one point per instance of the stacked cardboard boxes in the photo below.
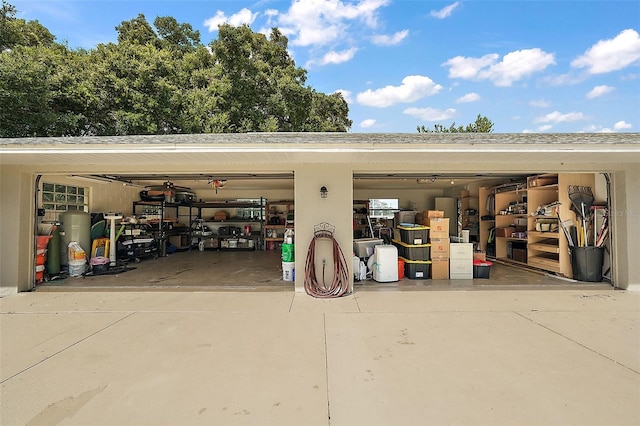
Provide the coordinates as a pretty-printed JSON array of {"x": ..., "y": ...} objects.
[{"x": 439, "y": 240}]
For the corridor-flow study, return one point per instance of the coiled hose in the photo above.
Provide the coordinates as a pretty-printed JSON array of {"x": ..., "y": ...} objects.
[{"x": 340, "y": 282}]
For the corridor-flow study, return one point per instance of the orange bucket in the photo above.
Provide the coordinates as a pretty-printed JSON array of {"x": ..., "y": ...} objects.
[{"x": 400, "y": 269}]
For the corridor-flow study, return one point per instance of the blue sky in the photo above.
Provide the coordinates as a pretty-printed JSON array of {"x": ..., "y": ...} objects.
[{"x": 529, "y": 66}]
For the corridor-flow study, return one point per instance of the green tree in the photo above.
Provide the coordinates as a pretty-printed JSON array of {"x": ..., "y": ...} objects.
[
  {"x": 267, "y": 89},
  {"x": 18, "y": 32},
  {"x": 44, "y": 91},
  {"x": 137, "y": 31},
  {"x": 180, "y": 37},
  {"x": 156, "y": 79},
  {"x": 481, "y": 125}
]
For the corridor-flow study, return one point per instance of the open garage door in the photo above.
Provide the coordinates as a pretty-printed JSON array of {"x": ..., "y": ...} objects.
[
  {"x": 529, "y": 226},
  {"x": 163, "y": 231}
]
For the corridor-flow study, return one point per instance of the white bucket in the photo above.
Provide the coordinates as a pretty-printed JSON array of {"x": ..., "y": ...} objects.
[
  {"x": 288, "y": 271},
  {"x": 77, "y": 267},
  {"x": 465, "y": 235}
]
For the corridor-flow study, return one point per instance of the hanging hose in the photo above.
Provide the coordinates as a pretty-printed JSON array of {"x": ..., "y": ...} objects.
[{"x": 340, "y": 282}]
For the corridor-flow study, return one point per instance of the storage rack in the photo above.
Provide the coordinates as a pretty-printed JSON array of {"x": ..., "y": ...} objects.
[
  {"x": 278, "y": 217},
  {"x": 245, "y": 212},
  {"x": 161, "y": 227},
  {"x": 543, "y": 250}
]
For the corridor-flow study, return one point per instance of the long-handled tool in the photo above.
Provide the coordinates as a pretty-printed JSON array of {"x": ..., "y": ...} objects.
[
  {"x": 582, "y": 199},
  {"x": 565, "y": 228}
]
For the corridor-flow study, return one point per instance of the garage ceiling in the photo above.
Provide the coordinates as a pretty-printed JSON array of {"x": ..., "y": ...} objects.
[{"x": 197, "y": 181}]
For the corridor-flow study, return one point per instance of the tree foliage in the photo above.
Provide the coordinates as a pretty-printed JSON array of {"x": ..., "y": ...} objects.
[
  {"x": 156, "y": 79},
  {"x": 481, "y": 125}
]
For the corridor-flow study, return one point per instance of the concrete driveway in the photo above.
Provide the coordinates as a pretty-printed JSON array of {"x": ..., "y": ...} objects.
[{"x": 514, "y": 357}]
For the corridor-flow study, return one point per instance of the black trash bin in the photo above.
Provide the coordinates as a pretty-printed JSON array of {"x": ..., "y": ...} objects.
[{"x": 586, "y": 263}]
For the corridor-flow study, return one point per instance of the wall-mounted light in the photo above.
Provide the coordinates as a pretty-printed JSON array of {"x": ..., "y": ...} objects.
[{"x": 324, "y": 192}]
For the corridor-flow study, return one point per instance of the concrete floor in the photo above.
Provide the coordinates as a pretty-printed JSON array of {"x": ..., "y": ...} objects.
[
  {"x": 262, "y": 271},
  {"x": 490, "y": 357}
]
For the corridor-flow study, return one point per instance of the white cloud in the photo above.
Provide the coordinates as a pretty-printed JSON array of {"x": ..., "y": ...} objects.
[
  {"x": 514, "y": 66},
  {"x": 545, "y": 127},
  {"x": 599, "y": 91},
  {"x": 558, "y": 117},
  {"x": 244, "y": 16},
  {"x": 539, "y": 103},
  {"x": 430, "y": 114},
  {"x": 621, "y": 125},
  {"x": 564, "y": 79},
  {"x": 319, "y": 22},
  {"x": 469, "y": 97},
  {"x": 338, "y": 57},
  {"x": 413, "y": 88},
  {"x": 445, "y": 12},
  {"x": 468, "y": 68},
  {"x": 611, "y": 55},
  {"x": 369, "y": 122},
  {"x": 346, "y": 95},
  {"x": 385, "y": 40}
]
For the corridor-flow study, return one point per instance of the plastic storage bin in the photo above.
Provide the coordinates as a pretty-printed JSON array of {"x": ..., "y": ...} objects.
[
  {"x": 413, "y": 251},
  {"x": 414, "y": 234},
  {"x": 417, "y": 269},
  {"x": 481, "y": 268}
]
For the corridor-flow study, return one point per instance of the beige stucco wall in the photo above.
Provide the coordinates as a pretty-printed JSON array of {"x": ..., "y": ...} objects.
[
  {"x": 17, "y": 206},
  {"x": 625, "y": 215},
  {"x": 16, "y": 230},
  {"x": 311, "y": 210}
]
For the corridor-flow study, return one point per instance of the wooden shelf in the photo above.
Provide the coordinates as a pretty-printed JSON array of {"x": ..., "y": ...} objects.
[
  {"x": 545, "y": 262},
  {"x": 546, "y": 251},
  {"x": 280, "y": 209},
  {"x": 538, "y": 234},
  {"x": 547, "y": 248},
  {"x": 508, "y": 260}
]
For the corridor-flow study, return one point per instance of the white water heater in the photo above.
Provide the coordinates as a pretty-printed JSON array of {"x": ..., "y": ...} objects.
[{"x": 385, "y": 264}]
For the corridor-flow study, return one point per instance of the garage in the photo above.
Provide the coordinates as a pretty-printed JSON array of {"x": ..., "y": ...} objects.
[{"x": 228, "y": 200}]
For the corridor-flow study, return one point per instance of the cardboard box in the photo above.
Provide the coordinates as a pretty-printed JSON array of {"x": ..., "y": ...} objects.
[
  {"x": 480, "y": 255},
  {"x": 440, "y": 269},
  {"x": 505, "y": 232},
  {"x": 180, "y": 241},
  {"x": 434, "y": 213},
  {"x": 440, "y": 248},
  {"x": 439, "y": 227},
  {"x": 221, "y": 215}
]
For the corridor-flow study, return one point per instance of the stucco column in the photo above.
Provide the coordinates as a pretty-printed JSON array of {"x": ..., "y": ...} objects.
[
  {"x": 625, "y": 215},
  {"x": 16, "y": 230},
  {"x": 311, "y": 209}
]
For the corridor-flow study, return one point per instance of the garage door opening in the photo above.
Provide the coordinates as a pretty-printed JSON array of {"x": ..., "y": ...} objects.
[
  {"x": 166, "y": 231},
  {"x": 226, "y": 231},
  {"x": 528, "y": 226}
]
